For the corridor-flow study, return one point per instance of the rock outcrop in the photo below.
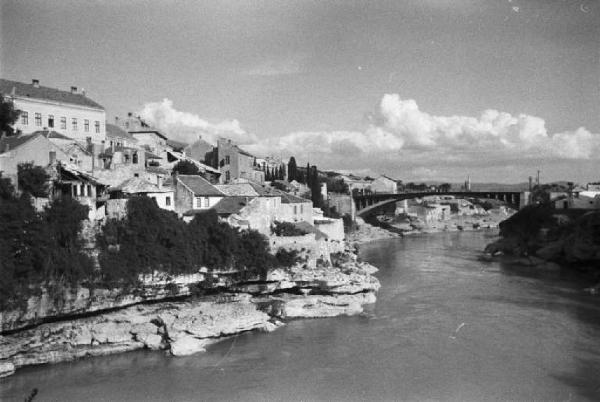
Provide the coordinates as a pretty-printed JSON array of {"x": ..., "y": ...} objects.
[{"x": 187, "y": 327}]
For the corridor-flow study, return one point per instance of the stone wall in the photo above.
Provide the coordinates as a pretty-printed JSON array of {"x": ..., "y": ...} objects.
[
  {"x": 333, "y": 228},
  {"x": 343, "y": 203},
  {"x": 309, "y": 248}
]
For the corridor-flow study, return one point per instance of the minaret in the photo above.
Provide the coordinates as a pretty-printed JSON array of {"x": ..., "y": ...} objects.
[{"x": 468, "y": 183}]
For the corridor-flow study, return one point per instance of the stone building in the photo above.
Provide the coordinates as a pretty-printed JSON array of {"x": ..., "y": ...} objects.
[
  {"x": 235, "y": 163},
  {"x": 70, "y": 113},
  {"x": 194, "y": 193}
]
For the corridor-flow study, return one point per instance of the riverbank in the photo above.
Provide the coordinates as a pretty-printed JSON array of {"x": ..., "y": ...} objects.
[
  {"x": 184, "y": 327},
  {"x": 546, "y": 238}
]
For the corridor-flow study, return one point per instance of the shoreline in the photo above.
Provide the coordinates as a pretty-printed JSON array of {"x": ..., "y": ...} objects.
[{"x": 186, "y": 327}]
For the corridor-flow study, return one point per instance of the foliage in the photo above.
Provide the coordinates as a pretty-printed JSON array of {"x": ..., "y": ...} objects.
[
  {"x": 40, "y": 248},
  {"x": 349, "y": 224},
  {"x": 33, "y": 180},
  {"x": 337, "y": 185},
  {"x": 8, "y": 115},
  {"x": 286, "y": 229},
  {"x": 151, "y": 239},
  {"x": 292, "y": 169},
  {"x": 186, "y": 167},
  {"x": 287, "y": 258}
]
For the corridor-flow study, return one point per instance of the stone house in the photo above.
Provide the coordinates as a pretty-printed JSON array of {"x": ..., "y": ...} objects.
[
  {"x": 117, "y": 137},
  {"x": 136, "y": 187},
  {"x": 194, "y": 193},
  {"x": 34, "y": 148},
  {"x": 67, "y": 180},
  {"x": 70, "y": 113},
  {"x": 384, "y": 184},
  {"x": 235, "y": 163},
  {"x": 153, "y": 141},
  {"x": 199, "y": 150}
]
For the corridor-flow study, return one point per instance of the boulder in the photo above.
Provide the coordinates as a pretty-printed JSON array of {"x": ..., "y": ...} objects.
[
  {"x": 6, "y": 369},
  {"x": 188, "y": 345}
]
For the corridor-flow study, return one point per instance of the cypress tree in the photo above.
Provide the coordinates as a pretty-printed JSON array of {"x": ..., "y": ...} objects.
[{"x": 292, "y": 169}]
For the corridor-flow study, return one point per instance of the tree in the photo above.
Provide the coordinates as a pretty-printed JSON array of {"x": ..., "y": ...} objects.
[
  {"x": 8, "y": 115},
  {"x": 292, "y": 169},
  {"x": 186, "y": 167},
  {"x": 33, "y": 179},
  {"x": 315, "y": 187},
  {"x": 444, "y": 187}
]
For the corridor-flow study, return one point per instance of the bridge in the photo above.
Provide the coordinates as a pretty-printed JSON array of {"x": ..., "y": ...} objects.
[{"x": 368, "y": 204}]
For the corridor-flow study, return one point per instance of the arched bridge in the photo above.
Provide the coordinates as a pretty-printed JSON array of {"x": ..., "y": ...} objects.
[{"x": 368, "y": 204}]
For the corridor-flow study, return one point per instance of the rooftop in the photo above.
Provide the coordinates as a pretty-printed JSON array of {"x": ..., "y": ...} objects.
[
  {"x": 241, "y": 189},
  {"x": 21, "y": 89},
  {"x": 199, "y": 185},
  {"x": 10, "y": 143},
  {"x": 230, "y": 205},
  {"x": 114, "y": 131},
  {"x": 136, "y": 185}
]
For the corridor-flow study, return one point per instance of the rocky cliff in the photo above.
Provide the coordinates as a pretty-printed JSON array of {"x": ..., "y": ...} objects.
[{"x": 187, "y": 326}]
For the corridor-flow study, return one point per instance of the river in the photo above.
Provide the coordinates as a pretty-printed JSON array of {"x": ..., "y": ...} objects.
[{"x": 446, "y": 326}]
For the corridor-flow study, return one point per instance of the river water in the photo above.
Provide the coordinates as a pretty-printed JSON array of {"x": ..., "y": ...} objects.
[{"x": 446, "y": 326}]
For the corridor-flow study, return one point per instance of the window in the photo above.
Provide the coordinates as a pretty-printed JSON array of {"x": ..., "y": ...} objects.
[
  {"x": 198, "y": 202},
  {"x": 86, "y": 125},
  {"x": 50, "y": 121},
  {"x": 24, "y": 118},
  {"x": 206, "y": 202},
  {"x": 168, "y": 201},
  {"x": 227, "y": 161},
  {"x": 63, "y": 123},
  {"x": 295, "y": 209},
  {"x": 38, "y": 119},
  {"x": 227, "y": 176},
  {"x": 135, "y": 158},
  {"x": 74, "y": 123},
  {"x": 97, "y": 126}
]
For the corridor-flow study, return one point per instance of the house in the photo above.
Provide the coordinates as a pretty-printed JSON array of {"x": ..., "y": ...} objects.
[
  {"x": 70, "y": 113},
  {"x": 153, "y": 141},
  {"x": 68, "y": 180},
  {"x": 117, "y": 137},
  {"x": 199, "y": 150},
  {"x": 357, "y": 184},
  {"x": 32, "y": 148},
  {"x": 384, "y": 184},
  {"x": 194, "y": 193},
  {"x": 136, "y": 187},
  {"x": 78, "y": 154},
  {"x": 208, "y": 172},
  {"x": 235, "y": 163}
]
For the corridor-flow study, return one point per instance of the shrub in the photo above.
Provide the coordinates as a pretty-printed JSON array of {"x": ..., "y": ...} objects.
[
  {"x": 33, "y": 179},
  {"x": 287, "y": 229},
  {"x": 287, "y": 258}
]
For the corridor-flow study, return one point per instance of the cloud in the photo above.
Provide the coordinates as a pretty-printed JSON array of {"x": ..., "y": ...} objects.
[
  {"x": 401, "y": 131},
  {"x": 187, "y": 127}
]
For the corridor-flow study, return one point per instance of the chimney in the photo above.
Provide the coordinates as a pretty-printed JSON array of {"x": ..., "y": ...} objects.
[
  {"x": 73, "y": 90},
  {"x": 35, "y": 83},
  {"x": 117, "y": 120}
]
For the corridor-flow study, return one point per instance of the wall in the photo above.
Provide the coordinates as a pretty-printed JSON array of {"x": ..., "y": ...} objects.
[
  {"x": 296, "y": 212},
  {"x": 36, "y": 150},
  {"x": 46, "y": 108},
  {"x": 261, "y": 212},
  {"x": 308, "y": 247},
  {"x": 116, "y": 208},
  {"x": 200, "y": 202},
  {"x": 161, "y": 200},
  {"x": 384, "y": 185},
  {"x": 333, "y": 228},
  {"x": 343, "y": 203}
]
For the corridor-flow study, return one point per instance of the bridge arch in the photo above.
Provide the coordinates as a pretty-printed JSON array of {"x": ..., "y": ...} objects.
[{"x": 371, "y": 203}]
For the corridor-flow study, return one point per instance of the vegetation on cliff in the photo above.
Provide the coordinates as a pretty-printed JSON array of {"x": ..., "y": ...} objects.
[{"x": 44, "y": 249}]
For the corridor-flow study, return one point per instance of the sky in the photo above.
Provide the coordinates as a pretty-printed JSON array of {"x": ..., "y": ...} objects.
[{"x": 415, "y": 89}]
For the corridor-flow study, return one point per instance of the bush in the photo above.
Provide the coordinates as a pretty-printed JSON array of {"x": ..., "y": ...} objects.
[
  {"x": 33, "y": 179},
  {"x": 186, "y": 167},
  {"x": 286, "y": 229},
  {"x": 287, "y": 258}
]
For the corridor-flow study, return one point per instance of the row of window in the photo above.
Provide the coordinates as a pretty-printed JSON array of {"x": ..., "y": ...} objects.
[
  {"x": 199, "y": 202},
  {"x": 63, "y": 122}
]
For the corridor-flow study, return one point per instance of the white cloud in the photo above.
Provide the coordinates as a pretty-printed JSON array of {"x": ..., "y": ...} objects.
[
  {"x": 187, "y": 127},
  {"x": 402, "y": 131}
]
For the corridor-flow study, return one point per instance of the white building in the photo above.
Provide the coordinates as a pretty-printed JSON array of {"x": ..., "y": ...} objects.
[{"x": 70, "y": 113}]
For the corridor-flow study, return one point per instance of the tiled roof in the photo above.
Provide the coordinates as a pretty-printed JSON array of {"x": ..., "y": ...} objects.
[
  {"x": 114, "y": 131},
  {"x": 156, "y": 132},
  {"x": 199, "y": 185},
  {"x": 230, "y": 205},
  {"x": 52, "y": 134},
  {"x": 51, "y": 94},
  {"x": 286, "y": 198},
  {"x": 177, "y": 144},
  {"x": 241, "y": 189},
  {"x": 136, "y": 185},
  {"x": 15, "y": 141}
]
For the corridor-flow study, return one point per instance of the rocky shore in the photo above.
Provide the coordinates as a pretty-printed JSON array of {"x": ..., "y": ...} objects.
[
  {"x": 341, "y": 287},
  {"x": 546, "y": 238}
]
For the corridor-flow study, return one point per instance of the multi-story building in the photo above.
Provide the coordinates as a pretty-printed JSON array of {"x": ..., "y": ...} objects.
[
  {"x": 235, "y": 163},
  {"x": 70, "y": 113}
]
